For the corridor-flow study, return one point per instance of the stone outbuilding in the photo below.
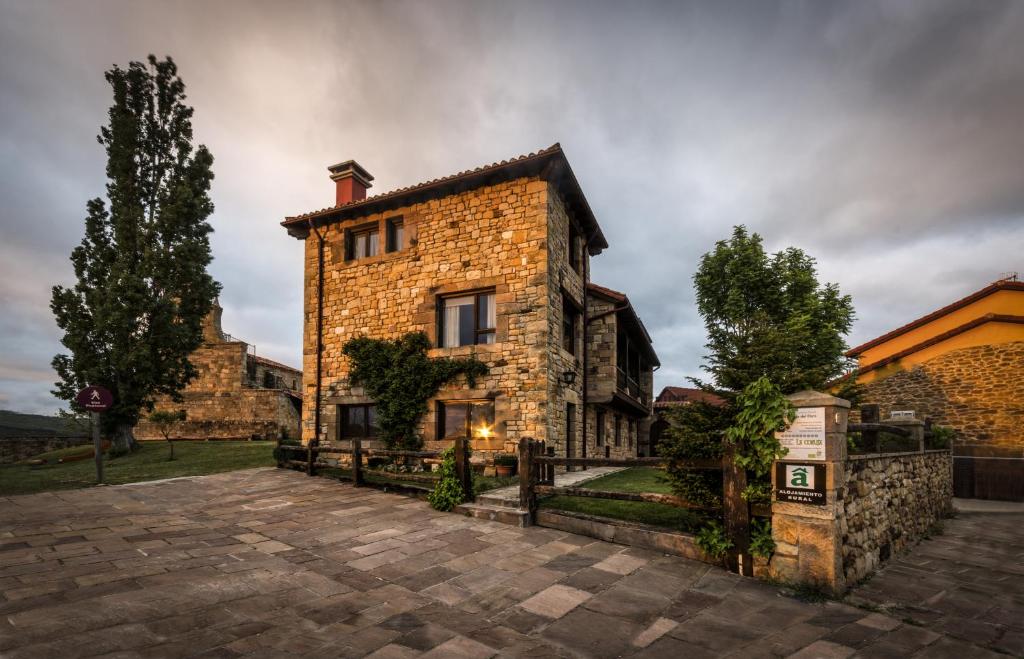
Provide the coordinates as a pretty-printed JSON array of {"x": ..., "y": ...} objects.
[
  {"x": 493, "y": 262},
  {"x": 961, "y": 366},
  {"x": 237, "y": 395}
]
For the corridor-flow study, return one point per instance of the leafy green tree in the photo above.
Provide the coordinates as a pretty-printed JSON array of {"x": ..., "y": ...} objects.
[
  {"x": 135, "y": 314},
  {"x": 166, "y": 421},
  {"x": 767, "y": 315}
]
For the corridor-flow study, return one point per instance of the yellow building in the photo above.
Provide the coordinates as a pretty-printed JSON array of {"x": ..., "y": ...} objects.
[{"x": 961, "y": 366}]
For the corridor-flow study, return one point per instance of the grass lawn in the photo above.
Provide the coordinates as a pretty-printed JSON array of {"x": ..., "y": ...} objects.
[
  {"x": 148, "y": 463},
  {"x": 635, "y": 479}
]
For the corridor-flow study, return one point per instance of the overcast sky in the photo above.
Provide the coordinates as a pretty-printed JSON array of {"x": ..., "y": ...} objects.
[{"x": 884, "y": 138}]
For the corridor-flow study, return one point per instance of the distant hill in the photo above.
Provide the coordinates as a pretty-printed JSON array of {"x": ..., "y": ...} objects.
[{"x": 14, "y": 424}]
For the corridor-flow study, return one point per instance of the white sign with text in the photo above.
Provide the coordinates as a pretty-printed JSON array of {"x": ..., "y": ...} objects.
[{"x": 805, "y": 437}]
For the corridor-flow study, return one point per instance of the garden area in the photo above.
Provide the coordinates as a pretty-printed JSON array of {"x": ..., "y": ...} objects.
[
  {"x": 634, "y": 479},
  {"x": 72, "y": 468}
]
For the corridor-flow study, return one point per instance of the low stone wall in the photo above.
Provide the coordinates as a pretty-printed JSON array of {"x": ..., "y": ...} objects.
[
  {"x": 890, "y": 502},
  {"x": 16, "y": 449}
]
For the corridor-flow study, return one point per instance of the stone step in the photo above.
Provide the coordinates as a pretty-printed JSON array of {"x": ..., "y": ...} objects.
[
  {"x": 511, "y": 516},
  {"x": 498, "y": 501}
]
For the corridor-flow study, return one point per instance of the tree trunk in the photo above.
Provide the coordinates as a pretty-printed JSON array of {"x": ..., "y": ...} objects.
[
  {"x": 171, "y": 442},
  {"x": 124, "y": 439}
]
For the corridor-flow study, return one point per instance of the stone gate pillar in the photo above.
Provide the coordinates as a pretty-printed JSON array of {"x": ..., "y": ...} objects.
[{"x": 807, "y": 486}]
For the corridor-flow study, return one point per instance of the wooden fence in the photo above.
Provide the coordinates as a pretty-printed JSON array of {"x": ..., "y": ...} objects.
[
  {"x": 537, "y": 478},
  {"x": 358, "y": 470}
]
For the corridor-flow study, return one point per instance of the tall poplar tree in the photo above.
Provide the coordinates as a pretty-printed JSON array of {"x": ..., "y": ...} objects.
[{"x": 135, "y": 314}]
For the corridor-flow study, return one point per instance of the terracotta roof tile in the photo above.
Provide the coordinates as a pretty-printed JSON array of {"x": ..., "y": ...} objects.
[
  {"x": 1003, "y": 285},
  {"x": 678, "y": 395},
  {"x": 554, "y": 148}
]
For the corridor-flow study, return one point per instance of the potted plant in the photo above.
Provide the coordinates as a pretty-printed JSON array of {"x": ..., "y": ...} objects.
[{"x": 505, "y": 464}]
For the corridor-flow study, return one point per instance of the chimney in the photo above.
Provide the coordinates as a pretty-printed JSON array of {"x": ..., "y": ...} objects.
[{"x": 351, "y": 181}]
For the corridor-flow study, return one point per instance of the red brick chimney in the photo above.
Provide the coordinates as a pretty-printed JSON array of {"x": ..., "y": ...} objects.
[{"x": 351, "y": 181}]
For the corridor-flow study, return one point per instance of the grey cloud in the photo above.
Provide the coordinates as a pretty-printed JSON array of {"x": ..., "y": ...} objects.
[{"x": 882, "y": 137}]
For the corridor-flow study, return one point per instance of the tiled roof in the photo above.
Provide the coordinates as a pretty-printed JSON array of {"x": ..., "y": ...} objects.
[
  {"x": 1003, "y": 285},
  {"x": 439, "y": 186},
  {"x": 607, "y": 292},
  {"x": 677, "y": 395}
]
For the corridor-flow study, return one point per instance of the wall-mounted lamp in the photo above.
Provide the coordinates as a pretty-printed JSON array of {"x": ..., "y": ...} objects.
[{"x": 569, "y": 377}]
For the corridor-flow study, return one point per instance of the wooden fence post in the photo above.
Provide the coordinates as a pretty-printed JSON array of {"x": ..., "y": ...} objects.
[
  {"x": 309, "y": 458},
  {"x": 526, "y": 495},
  {"x": 462, "y": 467},
  {"x": 357, "y": 462},
  {"x": 549, "y": 471},
  {"x": 737, "y": 515}
]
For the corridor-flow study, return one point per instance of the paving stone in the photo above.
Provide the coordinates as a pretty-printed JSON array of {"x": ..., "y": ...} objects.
[
  {"x": 461, "y": 647},
  {"x": 620, "y": 564},
  {"x": 823, "y": 650},
  {"x": 658, "y": 628},
  {"x": 555, "y": 601},
  {"x": 592, "y": 634}
]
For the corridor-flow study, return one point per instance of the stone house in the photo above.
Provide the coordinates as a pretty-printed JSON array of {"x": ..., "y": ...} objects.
[
  {"x": 620, "y": 376},
  {"x": 237, "y": 395},
  {"x": 671, "y": 397},
  {"x": 961, "y": 367},
  {"x": 493, "y": 262}
]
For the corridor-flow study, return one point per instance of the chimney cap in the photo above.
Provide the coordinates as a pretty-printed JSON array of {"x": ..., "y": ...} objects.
[{"x": 350, "y": 169}]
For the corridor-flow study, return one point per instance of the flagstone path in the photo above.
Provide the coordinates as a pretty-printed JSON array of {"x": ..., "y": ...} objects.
[{"x": 273, "y": 563}]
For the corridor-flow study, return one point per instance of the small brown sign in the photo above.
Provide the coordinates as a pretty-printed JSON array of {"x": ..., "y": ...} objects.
[
  {"x": 800, "y": 483},
  {"x": 95, "y": 398}
]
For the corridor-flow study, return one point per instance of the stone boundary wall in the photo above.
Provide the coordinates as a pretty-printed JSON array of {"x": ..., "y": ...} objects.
[
  {"x": 890, "y": 502},
  {"x": 976, "y": 391},
  {"x": 16, "y": 449}
]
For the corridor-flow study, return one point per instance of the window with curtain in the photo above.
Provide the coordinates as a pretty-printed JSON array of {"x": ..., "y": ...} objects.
[
  {"x": 472, "y": 418},
  {"x": 357, "y": 421},
  {"x": 363, "y": 243},
  {"x": 467, "y": 319}
]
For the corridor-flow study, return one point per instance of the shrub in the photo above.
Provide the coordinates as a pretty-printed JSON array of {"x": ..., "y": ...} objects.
[
  {"x": 712, "y": 540},
  {"x": 761, "y": 542},
  {"x": 448, "y": 492}
]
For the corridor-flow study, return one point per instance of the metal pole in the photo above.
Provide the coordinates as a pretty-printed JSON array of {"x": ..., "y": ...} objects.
[{"x": 97, "y": 448}]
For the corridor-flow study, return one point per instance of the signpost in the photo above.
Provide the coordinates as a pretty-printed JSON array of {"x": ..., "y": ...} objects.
[{"x": 96, "y": 399}]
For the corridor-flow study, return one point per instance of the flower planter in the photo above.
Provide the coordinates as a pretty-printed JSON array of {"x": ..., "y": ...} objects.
[{"x": 504, "y": 471}]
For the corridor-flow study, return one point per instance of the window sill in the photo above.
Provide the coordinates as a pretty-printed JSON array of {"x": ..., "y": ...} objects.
[
  {"x": 370, "y": 260},
  {"x": 466, "y": 351}
]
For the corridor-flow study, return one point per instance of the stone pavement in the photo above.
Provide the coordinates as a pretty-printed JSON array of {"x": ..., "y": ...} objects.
[
  {"x": 272, "y": 563},
  {"x": 966, "y": 582}
]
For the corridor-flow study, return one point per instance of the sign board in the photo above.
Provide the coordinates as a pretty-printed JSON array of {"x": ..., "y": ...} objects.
[
  {"x": 902, "y": 414},
  {"x": 804, "y": 439},
  {"x": 95, "y": 399},
  {"x": 800, "y": 483}
]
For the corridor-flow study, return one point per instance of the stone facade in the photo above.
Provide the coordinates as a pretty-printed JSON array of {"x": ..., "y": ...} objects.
[
  {"x": 505, "y": 229},
  {"x": 230, "y": 398},
  {"x": 890, "y": 502},
  {"x": 619, "y": 409},
  {"x": 977, "y": 391}
]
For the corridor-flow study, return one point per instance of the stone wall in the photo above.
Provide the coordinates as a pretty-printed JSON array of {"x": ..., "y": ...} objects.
[
  {"x": 16, "y": 449},
  {"x": 977, "y": 391},
  {"x": 221, "y": 404},
  {"x": 504, "y": 237},
  {"x": 889, "y": 503}
]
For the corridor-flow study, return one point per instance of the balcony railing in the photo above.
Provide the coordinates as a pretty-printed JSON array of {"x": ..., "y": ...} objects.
[{"x": 631, "y": 387}]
